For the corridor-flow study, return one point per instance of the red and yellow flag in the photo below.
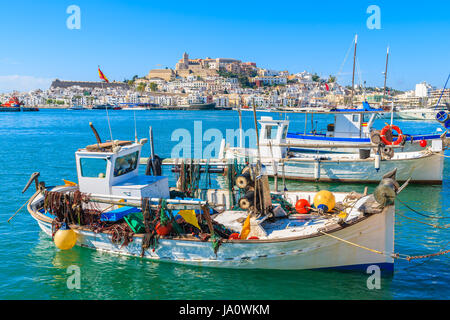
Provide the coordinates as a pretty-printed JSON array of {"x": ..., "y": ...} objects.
[{"x": 102, "y": 76}]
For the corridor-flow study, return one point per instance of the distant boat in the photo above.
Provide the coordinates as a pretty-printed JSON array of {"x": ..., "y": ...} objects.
[
  {"x": 200, "y": 106},
  {"x": 26, "y": 109},
  {"x": 76, "y": 108},
  {"x": 424, "y": 114},
  {"x": 13, "y": 105},
  {"x": 103, "y": 107}
]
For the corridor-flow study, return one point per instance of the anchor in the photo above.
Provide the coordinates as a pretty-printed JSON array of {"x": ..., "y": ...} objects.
[
  {"x": 34, "y": 177},
  {"x": 388, "y": 189}
]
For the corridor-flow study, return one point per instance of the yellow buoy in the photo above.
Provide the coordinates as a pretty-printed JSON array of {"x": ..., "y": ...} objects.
[
  {"x": 65, "y": 238},
  {"x": 324, "y": 200}
]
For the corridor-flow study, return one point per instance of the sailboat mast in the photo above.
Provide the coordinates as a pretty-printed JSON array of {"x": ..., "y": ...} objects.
[
  {"x": 385, "y": 76},
  {"x": 353, "y": 76}
]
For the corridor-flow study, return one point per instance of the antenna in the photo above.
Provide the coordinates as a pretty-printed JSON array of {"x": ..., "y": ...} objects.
[
  {"x": 353, "y": 77},
  {"x": 385, "y": 76}
]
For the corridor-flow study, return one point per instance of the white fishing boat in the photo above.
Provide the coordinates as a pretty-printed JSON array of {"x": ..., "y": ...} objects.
[
  {"x": 358, "y": 232},
  {"x": 367, "y": 163},
  {"x": 352, "y": 127}
]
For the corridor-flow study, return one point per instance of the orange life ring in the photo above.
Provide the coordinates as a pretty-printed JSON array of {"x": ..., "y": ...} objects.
[{"x": 395, "y": 142}]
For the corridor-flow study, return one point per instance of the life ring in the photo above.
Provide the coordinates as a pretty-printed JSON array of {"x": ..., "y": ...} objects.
[{"x": 394, "y": 142}]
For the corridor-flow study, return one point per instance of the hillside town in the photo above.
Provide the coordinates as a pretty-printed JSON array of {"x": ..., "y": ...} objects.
[{"x": 224, "y": 83}]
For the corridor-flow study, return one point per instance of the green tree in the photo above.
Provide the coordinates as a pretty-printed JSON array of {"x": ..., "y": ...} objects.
[
  {"x": 331, "y": 79},
  {"x": 153, "y": 87},
  {"x": 141, "y": 87},
  {"x": 315, "y": 77}
]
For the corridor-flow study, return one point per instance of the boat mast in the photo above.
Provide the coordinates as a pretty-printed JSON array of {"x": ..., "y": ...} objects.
[
  {"x": 353, "y": 76},
  {"x": 385, "y": 76}
]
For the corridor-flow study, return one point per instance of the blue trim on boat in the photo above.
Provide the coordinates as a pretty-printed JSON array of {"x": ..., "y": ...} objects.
[
  {"x": 385, "y": 267},
  {"x": 367, "y": 140},
  {"x": 321, "y": 138}
]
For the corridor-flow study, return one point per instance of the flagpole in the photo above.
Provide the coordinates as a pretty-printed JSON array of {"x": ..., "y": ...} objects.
[{"x": 107, "y": 114}]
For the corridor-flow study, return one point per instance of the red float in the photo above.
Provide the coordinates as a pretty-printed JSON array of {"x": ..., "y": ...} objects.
[
  {"x": 423, "y": 143},
  {"x": 302, "y": 206},
  {"x": 163, "y": 230},
  {"x": 234, "y": 236}
]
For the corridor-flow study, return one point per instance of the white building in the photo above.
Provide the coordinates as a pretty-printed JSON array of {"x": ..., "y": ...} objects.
[
  {"x": 423, "y": 90},
  {"x": 271, "y": 80}
]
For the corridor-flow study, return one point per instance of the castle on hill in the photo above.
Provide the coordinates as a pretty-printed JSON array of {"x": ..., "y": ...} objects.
[{"x": 202, "y": 67}]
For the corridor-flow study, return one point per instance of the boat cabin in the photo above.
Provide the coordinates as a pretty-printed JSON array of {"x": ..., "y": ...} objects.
[
  {"x": 273, "y": 133},
  {"x": 113, "y": 169},
  {"x": 351, "y": 125},
  {"x": 348, "y": 124}
]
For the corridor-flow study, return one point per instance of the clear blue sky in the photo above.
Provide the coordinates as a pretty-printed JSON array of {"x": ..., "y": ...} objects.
[{"x": 132, "y": 37}]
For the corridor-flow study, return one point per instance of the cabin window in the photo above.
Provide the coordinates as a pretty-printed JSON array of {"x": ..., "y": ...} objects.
[
  {"x": 93, "y": 167},
  {"x": 271, "y": 132},
  {"x": 285, "y": 132},
  {"x": 356, "y": 118},
  {"x": 126, "y": 164}
]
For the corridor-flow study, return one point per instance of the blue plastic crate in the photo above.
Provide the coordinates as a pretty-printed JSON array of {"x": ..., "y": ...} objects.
[{"x": 116, "y": 215}]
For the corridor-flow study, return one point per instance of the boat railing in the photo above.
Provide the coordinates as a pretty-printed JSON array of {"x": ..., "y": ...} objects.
[{"x": 137, "y": 201}]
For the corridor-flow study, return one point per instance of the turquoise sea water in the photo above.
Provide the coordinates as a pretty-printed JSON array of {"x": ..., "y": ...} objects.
[{"x": 32, "y": 268}]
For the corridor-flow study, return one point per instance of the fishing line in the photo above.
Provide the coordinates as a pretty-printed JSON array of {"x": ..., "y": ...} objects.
[
  {"x": 109, "y": 124},
  {"x": 345, "y": 59},
  {"x": 443, "y": 90}
]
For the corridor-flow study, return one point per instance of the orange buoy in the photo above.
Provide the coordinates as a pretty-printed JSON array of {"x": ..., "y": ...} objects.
[
  {"x": 394, "y": 142},
  {"x": 302, "y": 206},
  {"x": 163, "y": 230}
]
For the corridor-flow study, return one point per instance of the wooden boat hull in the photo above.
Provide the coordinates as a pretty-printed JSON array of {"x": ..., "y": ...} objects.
[
  {"x": 426, "y": 170},
  {"x": 310, "y": 252}
]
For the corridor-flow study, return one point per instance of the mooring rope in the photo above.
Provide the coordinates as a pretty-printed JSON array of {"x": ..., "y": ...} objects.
[
  {"x": 420, "y": 213},
  {"x": 392, "y": 255},
  {"x": 428, "y": 224},
  {"x": 443, "y": 155}
]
